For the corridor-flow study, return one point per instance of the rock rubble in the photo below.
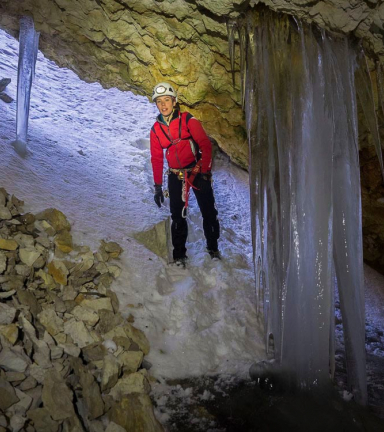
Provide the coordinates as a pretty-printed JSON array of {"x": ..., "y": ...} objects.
[{"x": 69, "y": 361}]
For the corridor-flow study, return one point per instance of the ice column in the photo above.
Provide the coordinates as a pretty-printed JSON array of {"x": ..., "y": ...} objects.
[
  {"x": 299, "y": 99},
  {"x": 28, "y": 47}
]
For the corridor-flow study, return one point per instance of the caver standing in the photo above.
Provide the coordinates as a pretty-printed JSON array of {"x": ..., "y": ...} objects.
[{"x": 188, "y": 151}]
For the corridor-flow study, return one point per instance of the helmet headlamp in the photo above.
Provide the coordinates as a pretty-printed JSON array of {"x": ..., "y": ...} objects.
[{"x": 163, "y": 89}]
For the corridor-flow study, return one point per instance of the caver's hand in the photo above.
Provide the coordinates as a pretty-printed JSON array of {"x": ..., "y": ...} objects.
[
  {"x": 158, "y": 197},
  {"x": 203, "y": 181}
]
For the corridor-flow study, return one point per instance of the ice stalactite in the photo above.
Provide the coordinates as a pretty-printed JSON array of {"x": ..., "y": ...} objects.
[
  {"x": 231, "y": 29},
  {"x": 300, "y": 107},
  {"x": 28, "y": 48}
]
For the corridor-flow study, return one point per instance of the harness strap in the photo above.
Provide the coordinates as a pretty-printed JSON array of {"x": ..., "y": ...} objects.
[
  {"x": 169, "y": 137},
  {"x": 188, "y": 183}
]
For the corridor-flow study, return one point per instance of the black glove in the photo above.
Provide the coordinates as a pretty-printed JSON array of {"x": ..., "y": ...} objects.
[
  {"x": 203, "y": 181},
  {"x": 158, "y": 197}
]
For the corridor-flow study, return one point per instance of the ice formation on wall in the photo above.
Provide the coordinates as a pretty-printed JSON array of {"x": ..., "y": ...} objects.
[
  {"x": 28, "y": 47},
  {"x": 301, "y": 117}
]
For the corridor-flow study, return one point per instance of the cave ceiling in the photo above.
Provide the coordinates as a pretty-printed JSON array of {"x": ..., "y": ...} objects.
[{"x": 132, "y": 44}]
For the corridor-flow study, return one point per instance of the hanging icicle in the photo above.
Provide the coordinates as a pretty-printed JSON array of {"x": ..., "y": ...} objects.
[
  {"x": 28, "y": 48},
  {"x": 300, "y": 108},
  {"x": 231, "y": 30}
]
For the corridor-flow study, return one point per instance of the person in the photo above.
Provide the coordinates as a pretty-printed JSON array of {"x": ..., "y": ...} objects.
[{"x": 188, "y": 152}]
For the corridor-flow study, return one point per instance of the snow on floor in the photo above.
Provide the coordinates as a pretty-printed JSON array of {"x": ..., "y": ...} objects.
[{"x": 88, "y": 156}]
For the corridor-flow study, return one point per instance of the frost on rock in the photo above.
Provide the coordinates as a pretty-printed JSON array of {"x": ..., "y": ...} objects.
[
  {"x": 28, "y": 47},
  {"x": 300, "y": 106}
]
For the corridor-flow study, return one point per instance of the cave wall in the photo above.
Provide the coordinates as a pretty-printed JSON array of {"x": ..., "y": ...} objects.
[{"x": 133, "y": 44}]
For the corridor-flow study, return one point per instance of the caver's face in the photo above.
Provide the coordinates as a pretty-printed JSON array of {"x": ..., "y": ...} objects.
[{"x": 165, "y": 104}]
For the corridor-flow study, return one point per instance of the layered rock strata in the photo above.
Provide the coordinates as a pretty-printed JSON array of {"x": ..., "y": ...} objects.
[{"x": 68, "y": 359}]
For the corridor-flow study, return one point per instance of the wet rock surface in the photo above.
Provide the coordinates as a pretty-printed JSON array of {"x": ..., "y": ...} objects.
[{"x": 68, "y": 359}]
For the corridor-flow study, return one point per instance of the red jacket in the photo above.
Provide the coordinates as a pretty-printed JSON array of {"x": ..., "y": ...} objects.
[{"x": 179, "y": 139}]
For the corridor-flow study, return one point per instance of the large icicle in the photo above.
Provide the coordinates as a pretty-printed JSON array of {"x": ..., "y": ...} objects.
[
  {"x": 302, "y": 134},
  {"x": 231, "y": 30},
  {"x": 28, "y": 47},
  {"x": 347, "y": 220}
]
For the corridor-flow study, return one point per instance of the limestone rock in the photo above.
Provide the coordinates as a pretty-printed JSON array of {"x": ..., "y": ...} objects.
[
  {"x": 22, "y": 270},
  {"x": 51, "y": 321},
  {"x": 113, "y": 427},
  {"x": 42, "y": 353},
  {"x": 69, "y": 293},
  {"x": 64, "y": 241},
  {"x": 155, "y": 239},
  {"x": 22, "y": 406},
  {"x": 57, "y": 352},
  {"x": 24, "y": 240},
  {"x": 37, "y": 372},
  {"x": 3, "y": 262},
  {"x": 78, "y": 332},
  {"x": 137, "y": 336},
  {"x": 70, "y": 349},
  {"x": 56, "y": 218},
  {"x": 28, "y": 383},
  {"x": 14, "y": 376},
  {"x": 135, "y": 414},
  {"x": 8, "y": 244},
  {"x": 28, "y": 255},
  {"x": 85, "y": 314},
  {"x": 7, "y": 314},
  {"x": 10, "y": 332},
  {"x": 42, "y": 421},
  {"x": 94, "y": 352},
  {"x": 59, "y": 271},
  {"x": 57, "y": 397},
  {"x": 97, "y": 304},
  {"x": 7, "y": 395},
  {"x": 7, "y": 294},
  {"x": 112, "y": 248},
  {"x": 48, "y": 281},
  {"x": 102, "y": 268},
  {"x": 130, "y": 360},
  {"x": 5, "y": 213},
  {"x": 40, "y": 262},
  {"x": 90, "y": 390},
  {"x": 111, "y": 371},
  {"x": 108, "y": 320},
  {"x": 44, "y": 227},
  {"x": 114, "y": 270},
  {"x": 17, "y": 422},
  {"x": 27, "y": 298},
  {"x": 44, "y": 241},
  {"x": 132, "y": 383},
  {"x": 12, "y": 359}
]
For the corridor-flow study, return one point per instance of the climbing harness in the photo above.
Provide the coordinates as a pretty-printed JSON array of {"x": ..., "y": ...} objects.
[
  {"x": 188, "y": 183},
  {"x": 186, "y": 175}
]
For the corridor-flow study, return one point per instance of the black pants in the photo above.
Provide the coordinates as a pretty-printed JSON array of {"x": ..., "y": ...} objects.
[{"x": 179, "y": 228}]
